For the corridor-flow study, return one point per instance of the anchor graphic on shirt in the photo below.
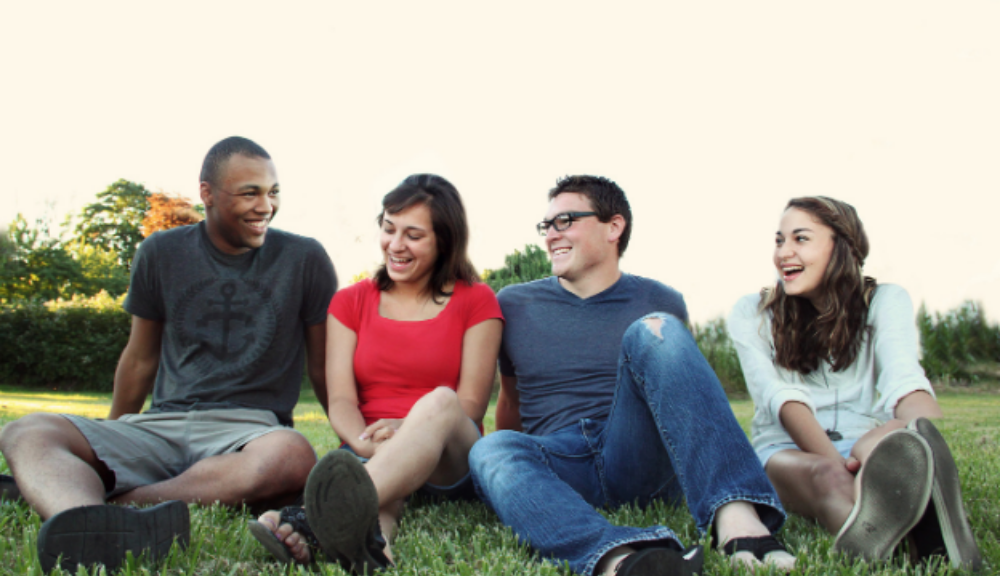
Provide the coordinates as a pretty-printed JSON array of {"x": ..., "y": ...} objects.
[{"x": 227, "y": 316}]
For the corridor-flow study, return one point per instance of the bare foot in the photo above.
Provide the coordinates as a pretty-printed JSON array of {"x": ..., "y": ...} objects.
[
  {"x": 292, "y": 540},
  {"x": 739, "y": 520}
]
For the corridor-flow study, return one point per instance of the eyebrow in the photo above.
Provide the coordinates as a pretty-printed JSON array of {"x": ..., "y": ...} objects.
[
  {"x": 796, "y": 231},
  {"x": 410, "y": 227}
]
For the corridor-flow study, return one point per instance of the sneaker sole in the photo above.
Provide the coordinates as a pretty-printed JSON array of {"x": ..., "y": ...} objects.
[
  {"x": 895, "y": 488},
  {"x": 946, "y": 497},
  {"x": 104, "y": 534},
  {"x": 341, "y": 505}
]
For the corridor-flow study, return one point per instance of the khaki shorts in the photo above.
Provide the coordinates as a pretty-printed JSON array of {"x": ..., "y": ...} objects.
[{"x": 142, "y": 449}]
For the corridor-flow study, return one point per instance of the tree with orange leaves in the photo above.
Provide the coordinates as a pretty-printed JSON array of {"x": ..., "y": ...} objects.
[{"x": 168, "y": 211}]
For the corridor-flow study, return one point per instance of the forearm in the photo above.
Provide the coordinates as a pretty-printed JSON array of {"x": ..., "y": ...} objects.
[
  {"x": 508, "y": 416},
  {"x": 318, "y": 381},
  {"x": 915, "y": 405},
  {"x": 133, "y": 382},
  {"x": 348, "y": 423},
  {"x": 474, "y": 410},
  {"x": 801, "y": 424}
]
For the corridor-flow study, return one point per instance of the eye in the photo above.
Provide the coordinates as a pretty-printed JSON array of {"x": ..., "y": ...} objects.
[
  {"x": 563, "y": 219},
  {"x": 778, "y": 241},
  {"x": 414, "y": 236},
  {"x": 274, "y": 192},
  {"x": 801, "y": 238}
]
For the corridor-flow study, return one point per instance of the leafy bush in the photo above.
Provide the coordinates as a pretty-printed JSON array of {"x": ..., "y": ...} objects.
[
  {"x": 520, "y": 267},
  {"x": 955, "y": 341},
  {"x": 715, "y": 345},
  {"x": 65, "y": 344}
]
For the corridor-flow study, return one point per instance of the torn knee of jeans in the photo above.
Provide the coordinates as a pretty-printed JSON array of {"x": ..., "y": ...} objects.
[{"x": 654, "y": 323}]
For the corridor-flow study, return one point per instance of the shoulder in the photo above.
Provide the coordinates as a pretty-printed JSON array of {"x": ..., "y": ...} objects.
[
  {"x": 357, "y": 291},
  {"x": 475, "y": 291},
  {"x": 656, "y": 294},
  {"x": 281, "y": 240},
  {"x": 176, "y": 241},
  {"x": 521, "y": 293},
  {"x": 748, "y": 306},
  {"x": 890, "y": 301}
]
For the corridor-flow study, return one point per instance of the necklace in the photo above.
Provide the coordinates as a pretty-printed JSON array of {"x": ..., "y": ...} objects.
[{"x": 832, "y": 433}]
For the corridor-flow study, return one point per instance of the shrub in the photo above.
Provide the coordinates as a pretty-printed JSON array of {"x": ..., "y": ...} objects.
[
  {"x": 63, "y": 344},
  {"x": 714, "y": 343},
  {"x": 955, "y": 341}
]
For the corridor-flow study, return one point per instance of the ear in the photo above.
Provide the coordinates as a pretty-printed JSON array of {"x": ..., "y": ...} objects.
[
  {"x": 615, "y": 228},
  {"x": 206, "y": 194}
]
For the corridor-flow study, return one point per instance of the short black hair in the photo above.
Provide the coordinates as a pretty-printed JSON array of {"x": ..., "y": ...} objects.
[
  {"x": 606, "y": 197},
  {"x": 221, "y": 152}
]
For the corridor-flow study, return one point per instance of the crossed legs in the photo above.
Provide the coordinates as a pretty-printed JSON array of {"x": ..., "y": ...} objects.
[{"x": 432, "y": 446}]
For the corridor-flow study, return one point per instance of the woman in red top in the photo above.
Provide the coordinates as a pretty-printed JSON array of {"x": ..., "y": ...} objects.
[{"x": 410, "y": 361}]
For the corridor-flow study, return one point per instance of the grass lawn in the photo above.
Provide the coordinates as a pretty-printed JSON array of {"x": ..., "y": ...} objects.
[{"x": 468, "y": 539}]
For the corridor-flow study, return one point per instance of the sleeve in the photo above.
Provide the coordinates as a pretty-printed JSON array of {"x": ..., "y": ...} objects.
[
  {"x": 768, "y": 388},
  {"x": 895, "y": 342},
  {"x": 346, "y": 305},
  {"x": 503, "y": 359},
  {"x": 142, "y": 300},
  {"x": 482, "y": 305},
  {"x": 319, "y": 283},
  {"x": 666, "y": 299}
]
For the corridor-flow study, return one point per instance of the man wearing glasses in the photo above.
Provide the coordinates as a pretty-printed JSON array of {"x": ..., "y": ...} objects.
[{"x": 606, "y": 400}]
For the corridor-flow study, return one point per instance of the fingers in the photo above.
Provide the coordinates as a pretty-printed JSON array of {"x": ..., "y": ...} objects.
[
  {"x": 383, "y": 434},
  {"x": 852, "y": 464},
  {"x": 373, "y": 428}
]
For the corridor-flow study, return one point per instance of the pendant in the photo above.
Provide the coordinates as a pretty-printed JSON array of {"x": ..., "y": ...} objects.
[{"x": 834, "y": 435}]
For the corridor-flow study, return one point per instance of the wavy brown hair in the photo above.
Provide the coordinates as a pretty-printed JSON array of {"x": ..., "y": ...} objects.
[
  {"x": 450, "y": 229},
  {"x": 804, "y": 335}
]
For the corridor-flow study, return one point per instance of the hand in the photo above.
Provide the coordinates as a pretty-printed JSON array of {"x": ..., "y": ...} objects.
[{"x": 381, "y": 430}]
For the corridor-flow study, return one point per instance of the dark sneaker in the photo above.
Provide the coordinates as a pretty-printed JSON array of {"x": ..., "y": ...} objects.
[
  {"x": 662, "y": 562},
  {"x": 9, "y": 489},
  {"x": 342, "y": 509},
  {"x": 103, "y": 534},
  {"x": 945, "y": 521},
  {"x": 895, "y": 488}
]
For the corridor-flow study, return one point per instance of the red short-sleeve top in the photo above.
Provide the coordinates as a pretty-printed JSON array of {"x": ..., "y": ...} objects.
[{"x": 396, "y": 362}]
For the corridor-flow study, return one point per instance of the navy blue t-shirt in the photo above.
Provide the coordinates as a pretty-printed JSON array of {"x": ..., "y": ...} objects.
[{"x": 564, "y": 349}]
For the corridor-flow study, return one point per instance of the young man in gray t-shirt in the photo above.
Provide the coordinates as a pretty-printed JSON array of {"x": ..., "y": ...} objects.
[
  {"x": 225, "y": 313},
  {"x": 606, "y": 400}
]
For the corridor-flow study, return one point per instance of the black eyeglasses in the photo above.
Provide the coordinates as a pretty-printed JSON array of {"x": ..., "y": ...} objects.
[{"x": 561, "y": 221}]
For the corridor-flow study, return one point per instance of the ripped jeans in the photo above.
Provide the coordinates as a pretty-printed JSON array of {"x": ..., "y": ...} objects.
[{"x": 670, "y": 434}]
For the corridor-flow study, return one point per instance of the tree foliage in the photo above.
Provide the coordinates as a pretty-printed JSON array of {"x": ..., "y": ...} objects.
[
  {"x": 531, "y": 264},
  {"x": 168, "y": 211},
  {"x": 114, "y": 222},
  {"x": 35, "y": 265}
]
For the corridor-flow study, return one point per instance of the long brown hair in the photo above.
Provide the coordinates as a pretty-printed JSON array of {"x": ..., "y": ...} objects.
[
  {"x": 450, "y": 229},
  {"x": 804, "y": 335}
]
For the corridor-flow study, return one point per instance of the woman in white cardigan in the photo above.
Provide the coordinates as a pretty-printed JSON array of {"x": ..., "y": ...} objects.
[{"x": 841, "y": 404}]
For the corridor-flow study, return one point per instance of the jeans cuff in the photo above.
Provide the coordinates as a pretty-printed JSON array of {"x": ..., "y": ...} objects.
[{"x": 771, "y": 514}]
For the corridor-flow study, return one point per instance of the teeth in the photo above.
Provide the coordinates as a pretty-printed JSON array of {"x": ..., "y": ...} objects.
[
  {"x": 559, "y": 251},
  {"x": 398, "y": 260},
  {"x": 793, "y": 269}
]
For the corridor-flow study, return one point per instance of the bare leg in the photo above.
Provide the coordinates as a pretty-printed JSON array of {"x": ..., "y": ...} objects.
[
  {"x": 268, "y": 470},
  {"x": 432, "y": 445},
  {"x": 54, "y": 465},
  {"x": 813, "y": 486}
]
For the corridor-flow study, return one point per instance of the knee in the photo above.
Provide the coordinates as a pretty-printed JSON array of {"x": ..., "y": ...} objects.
[
  {"x": 283, "y": 467},
  {"x": 33, "y": 428},
  {"x": 659, "y": 325},
  {"x": 442, "y": 402},
  {"x": 829, "y": 476},
  {"x": 494, "y": 450}
]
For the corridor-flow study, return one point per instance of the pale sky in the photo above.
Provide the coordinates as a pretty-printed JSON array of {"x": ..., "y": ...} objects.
[{"x": 710, "y": 115}]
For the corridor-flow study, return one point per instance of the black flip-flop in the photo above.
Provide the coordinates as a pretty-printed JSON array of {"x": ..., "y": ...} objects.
[{"x": 9, "y": 489}]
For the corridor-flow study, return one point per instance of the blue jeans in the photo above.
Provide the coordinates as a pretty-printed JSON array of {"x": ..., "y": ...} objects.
[{"x": 670, "y": 434}]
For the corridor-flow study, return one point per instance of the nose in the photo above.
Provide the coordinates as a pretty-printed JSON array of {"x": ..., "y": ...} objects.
[
  {"x": 783, "y": 251},
  {"x": 264, "y": 204},
  {"x": 396, "y": 243}
]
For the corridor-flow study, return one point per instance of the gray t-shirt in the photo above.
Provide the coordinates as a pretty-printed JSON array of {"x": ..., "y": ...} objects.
[
  {"x": 564, "y": 349},
  {"x": 233, "y": 325}
]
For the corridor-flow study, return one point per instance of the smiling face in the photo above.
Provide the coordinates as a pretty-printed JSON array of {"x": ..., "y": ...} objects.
[
  {"x": 587, "y": 245},
  {"x": 803, "y": 246},
  {"x": 240, "y": 206},
  {"x": 409, "y": 245}
]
